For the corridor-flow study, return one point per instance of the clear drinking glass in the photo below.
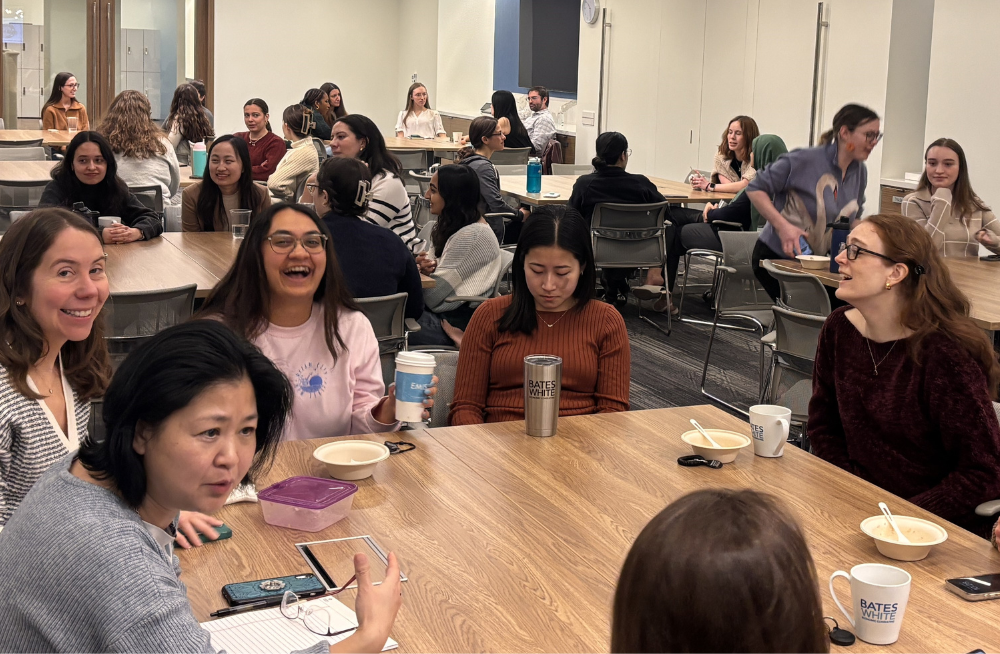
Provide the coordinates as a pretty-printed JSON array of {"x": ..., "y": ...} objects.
[
  {"x": 239, "y": 220},
  {"x": 72, "y": 123}
]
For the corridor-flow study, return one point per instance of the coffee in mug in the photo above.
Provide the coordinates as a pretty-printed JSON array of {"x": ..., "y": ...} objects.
[
  {"x": 769, "y": 428},
  {"x": 879, "y": 594}
]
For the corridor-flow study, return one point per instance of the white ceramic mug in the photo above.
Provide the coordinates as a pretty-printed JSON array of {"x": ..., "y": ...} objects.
[
  {"x": 879, "y": 594},
  {"x": 107, "y": 221},
  {"x": 456, "y": 137},
  {"x": 769, "y": 428}
]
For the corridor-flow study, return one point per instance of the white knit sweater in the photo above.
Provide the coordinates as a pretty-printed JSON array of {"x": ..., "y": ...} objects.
[
  {"x": 293, "y": 169},
  {"x": 159, "y": 169}
]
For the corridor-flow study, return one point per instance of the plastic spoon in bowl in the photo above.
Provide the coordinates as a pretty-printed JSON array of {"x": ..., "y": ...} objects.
[
  {"x": 705, "y": 433},
  {"x": 888, "y": 516}
]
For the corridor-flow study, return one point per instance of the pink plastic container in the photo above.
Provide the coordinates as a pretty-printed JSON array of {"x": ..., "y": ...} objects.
[{"x": 307, "y": 503}]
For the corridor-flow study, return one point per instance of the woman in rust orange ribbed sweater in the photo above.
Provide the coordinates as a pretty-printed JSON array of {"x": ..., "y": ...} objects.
[{"x": 552, "y": 311}]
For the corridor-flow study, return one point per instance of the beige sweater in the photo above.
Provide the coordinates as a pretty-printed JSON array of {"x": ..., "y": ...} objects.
[
  {"x": 298, "y": 163},
  {"x": 722, "y": 167},
  {"x": 955, "y": 236}
]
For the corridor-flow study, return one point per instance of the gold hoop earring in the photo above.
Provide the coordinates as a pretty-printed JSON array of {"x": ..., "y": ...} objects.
[{"x": 888, "y": 286}]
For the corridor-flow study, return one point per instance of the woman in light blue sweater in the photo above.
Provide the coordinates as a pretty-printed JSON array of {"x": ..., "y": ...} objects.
[{"x": 87, "y": 564}]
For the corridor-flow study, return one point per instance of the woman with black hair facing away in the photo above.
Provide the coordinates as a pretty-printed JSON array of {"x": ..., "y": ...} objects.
[
  {"x": 228, "y": 186},
  {"x": 191, "y": 414},
  {"x": 285, "y": 294},
  {"x": 62, "y": 105},
  {"x": 187, "y": 122},
  {"x": 53, "y": 358},
  {"x": 374, "y": 261},
  {"x": 266, "y": 147},
  {"x": 336, "y": 99},
  {"x": 89, "y": 174},
  {"x": 504, "y": 109},
  {"x": 711, "y": 560},
  {"x": 811, "y": 189},
  {"x": 357, "y": 137},
  {"x": 485, "y": 138},
  {"x": 610, "y": 183},
  {"x": 319, "y": 104},
  {"x": 466, "y": 256},
  {"x": 552, "y": 310},
  {"x": 903, "y": 378},
  {"x": 300, "y": 161},
  {"x": 946, "y": 206}
]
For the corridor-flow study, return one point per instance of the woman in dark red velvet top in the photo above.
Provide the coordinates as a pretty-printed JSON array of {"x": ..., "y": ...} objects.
[{"x": 903, "y": 381}]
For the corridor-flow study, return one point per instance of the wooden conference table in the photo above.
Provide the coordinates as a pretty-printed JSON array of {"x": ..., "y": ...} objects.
[
  {"x": 979, "y": 280},
  {"x": 177, "y": 259},
  {"x": 26, "y": 173},
  {"x": 50, "y": 137},
  {"x": 513, "y": 543},
  {"x": 436, "y": 145},
  {"x": 674, "y": 192}
]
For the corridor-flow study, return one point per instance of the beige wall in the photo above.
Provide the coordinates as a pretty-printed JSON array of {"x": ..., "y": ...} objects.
[
  {"x": 418, "y": 46},
  {"x": 465, "y": 55}
]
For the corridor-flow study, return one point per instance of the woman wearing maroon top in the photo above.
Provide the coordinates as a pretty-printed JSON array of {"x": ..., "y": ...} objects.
[
  {"x": 266, "y": 147},
  {"x": 903, "y": 381}
]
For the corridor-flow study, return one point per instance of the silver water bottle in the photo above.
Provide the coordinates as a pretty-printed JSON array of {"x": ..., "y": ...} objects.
[{"x": 542, "y": 383}]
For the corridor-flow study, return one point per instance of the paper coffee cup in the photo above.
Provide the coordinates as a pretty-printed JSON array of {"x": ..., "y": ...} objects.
[
  {"x": 769, "y": 427},
  {"x": 456, "y": 137},
  {"x": 414, "y": 373},
  {"x": 108, "y": 221},
  {"x": 879, "y": 594}
]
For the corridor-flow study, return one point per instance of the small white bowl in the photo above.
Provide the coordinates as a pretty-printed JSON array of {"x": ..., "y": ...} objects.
[
  {"x": 731, "y": 444},
  {"x": 813, "y": 261},
  {"x": 351, "y": 460},
  {"x": 923, "y": 535}
]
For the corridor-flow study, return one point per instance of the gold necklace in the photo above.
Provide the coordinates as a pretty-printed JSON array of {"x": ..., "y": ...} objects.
[
  {"x": 557, "y": 319},
  {"x": 872, "y": 354}
]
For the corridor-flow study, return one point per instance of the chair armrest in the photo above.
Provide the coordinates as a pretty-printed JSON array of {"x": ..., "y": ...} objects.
[
  {"x": 411, "y": 325},
  {"x": 727, "y": 224},
  {"x": 504, "y": 215},
  {"x": 727, "y": 269},
  {"x": 467, "y": 298},
  {"x": 704, "y": 253},
  {"x": 987, "y": 509}
]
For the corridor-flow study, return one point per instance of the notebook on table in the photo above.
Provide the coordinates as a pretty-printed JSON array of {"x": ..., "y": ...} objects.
[{"x": 267, "y": 630}]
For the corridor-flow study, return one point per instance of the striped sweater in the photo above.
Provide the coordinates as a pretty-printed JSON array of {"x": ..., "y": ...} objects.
[
  {"x": 28, "y": 442},
  {"x": 298, "y": 163},
  {"x": 390, "y": 207},
  {"x": 468, "y": 266},
  {"x": 593, "y": 344}
]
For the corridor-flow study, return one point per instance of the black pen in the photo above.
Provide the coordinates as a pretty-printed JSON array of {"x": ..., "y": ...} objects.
[{"x": 259, "y": 604}]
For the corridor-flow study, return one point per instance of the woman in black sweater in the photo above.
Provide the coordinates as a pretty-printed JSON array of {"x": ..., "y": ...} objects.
[{"x": 89, "y": 176}]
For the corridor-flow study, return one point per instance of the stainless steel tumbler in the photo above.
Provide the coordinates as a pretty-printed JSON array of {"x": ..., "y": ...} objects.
[{"x": 542, "y": 383}]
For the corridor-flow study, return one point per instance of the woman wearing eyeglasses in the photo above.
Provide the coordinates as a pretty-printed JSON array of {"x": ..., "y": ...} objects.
[
  {"x": 812, "y": 188},
  {"x": 62, "y": 105},
  {"x": 903, "y": 380},
  {"x": 285, "y": 293}
]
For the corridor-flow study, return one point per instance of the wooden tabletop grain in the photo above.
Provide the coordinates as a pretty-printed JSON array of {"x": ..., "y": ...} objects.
[
  {"x": 513, "y": 543},
  {"x": 49, "y": 137},
  {"x": 978, "y": 279},
  {"x": 26, "y": 172},
  {"x": 153, "y": 265},
  {"x": 186, "y": 179},
  {"x": 674, "y": 192},
  {"x": 439, "y": 144}
]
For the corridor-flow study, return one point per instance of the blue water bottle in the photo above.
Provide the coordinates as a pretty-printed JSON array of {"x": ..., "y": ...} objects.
[
  {"x": 838, "y": 238},
  {"x": 534, "y": 175}
]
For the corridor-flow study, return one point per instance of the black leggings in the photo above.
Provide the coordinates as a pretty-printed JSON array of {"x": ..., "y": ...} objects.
[{"x": 770, "y": 284}]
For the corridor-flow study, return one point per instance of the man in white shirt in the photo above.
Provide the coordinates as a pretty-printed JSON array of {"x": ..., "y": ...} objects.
[{"x": 539, "y": 123}]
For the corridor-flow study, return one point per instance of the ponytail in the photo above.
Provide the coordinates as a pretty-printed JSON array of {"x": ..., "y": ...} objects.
[
  {"x": 257, "y": 102},
  {"x": 850, "y": 116}
]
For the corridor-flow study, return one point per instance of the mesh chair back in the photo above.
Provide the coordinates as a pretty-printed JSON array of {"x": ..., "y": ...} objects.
[
  {"x": 796, "y": 338},
  {"x": 22, "y": 154},
  {"x": 423, "y": 179},
  {"x": 445, "y": 367},
  {"x": 629, "y": 235},
  {"x": 511, "y": 157},
  {"x": 571, "y": 169},
  {"x": 511, "y": 169},
  {"x": 387, "y": 315},
  {"x": 742, "y": 291},
  {"x": 424, "y": 234},
  {"x": 151, "y": 196},
  {"x": 411, "y": 160},
  {"x": 30, "y": 143},
  {"x": 800, "y": 291},
  {"x": 320, "y": 149},
  {"x": 133, "y": 317}
]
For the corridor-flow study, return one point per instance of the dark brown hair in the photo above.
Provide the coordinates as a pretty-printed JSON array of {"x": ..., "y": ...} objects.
[
  {"x": 335, "y": 112},
  {"x": 963, "y": 199},
  {"x": 22, "y": 343},
  {"x": 480, "y": 128},
  {"x": 851, "y": 116},
  {"x": 750, "y": 132},
  {"x": 57, "y": 84},
  {"x": 719, "y": 571},
  {"x": 188, "y": 115},
  {"x": 242, "y": 297},
  {"x": 210, "y": 203},
  {"x": 298, "y": 119},
  {"x": 932, "y": 303},
  {"x": 543, "y": 93}
]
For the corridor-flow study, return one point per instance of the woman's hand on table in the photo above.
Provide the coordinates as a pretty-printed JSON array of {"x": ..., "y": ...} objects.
[
  {"x": 385, "y": 411},
  {"x": 119, "y": 233},
  {"x": 375, "y": 606},
  {"x": 190, "y": 523}
]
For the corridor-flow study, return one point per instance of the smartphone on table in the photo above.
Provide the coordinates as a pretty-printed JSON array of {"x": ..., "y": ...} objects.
[
  {"x": 303, "y": 585},
  {"x": 974, "y": 589}
]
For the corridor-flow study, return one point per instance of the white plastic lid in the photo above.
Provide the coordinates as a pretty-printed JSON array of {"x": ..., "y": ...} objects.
[
  {"x": 534, "y": 160},
  {"x": 416, "y": 359}
]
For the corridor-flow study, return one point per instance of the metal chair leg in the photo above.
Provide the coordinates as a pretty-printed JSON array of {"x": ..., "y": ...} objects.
[{"x": 649, "y": 320}]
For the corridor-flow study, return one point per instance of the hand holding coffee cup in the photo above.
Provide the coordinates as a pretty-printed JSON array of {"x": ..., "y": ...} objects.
[
  {"x": 412, "y": 394},
  {"x": 387, "y": 412},
  {"x": 769, "y": 426},
  {"x": 879, "y": 594}
]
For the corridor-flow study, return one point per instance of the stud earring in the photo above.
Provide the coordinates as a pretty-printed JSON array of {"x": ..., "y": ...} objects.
[
  {"x": 888, "y": 286},
  {"x": 19, "y": 303}
]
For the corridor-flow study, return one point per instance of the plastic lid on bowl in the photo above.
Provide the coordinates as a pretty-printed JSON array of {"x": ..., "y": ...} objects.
[{"x": 308, "y": 492}]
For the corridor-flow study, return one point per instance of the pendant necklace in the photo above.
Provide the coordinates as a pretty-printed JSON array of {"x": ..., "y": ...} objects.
[
  {"x": 872, "y": 354},
  {"x": 547, "y": 324}
]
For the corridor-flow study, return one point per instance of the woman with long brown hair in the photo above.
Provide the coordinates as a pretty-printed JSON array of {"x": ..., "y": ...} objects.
[
  {"x": 63, "y": 105},
  {"x": 713, "y": 559},
  {"x": 418, "y": 119},
  {"x": 903, "y": 379},
  {"x": 186, "y": 122},
  {"x": 946, "y": 206},
  {"x": 53, "y": 359},
  {"x": 733, "y": 167},
  {"x": 336, "y": 98},
  {"x": 143, "y": 153}
]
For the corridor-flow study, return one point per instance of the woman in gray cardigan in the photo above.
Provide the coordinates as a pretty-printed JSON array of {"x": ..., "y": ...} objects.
[{"x": 191, "y": 414}]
